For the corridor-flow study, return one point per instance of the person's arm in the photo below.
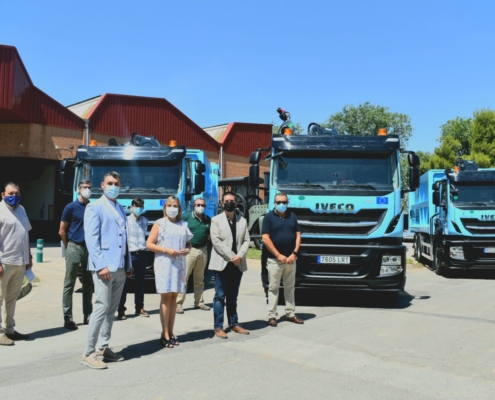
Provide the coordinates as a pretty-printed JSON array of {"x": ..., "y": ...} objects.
[
  {"x": 267, "y": 242},
  {"x": 293, "y": 256},
  {"x": 151, "y": 243},
  {"x": 219, "y": 245},
  {"x": 64, "y": 226}
]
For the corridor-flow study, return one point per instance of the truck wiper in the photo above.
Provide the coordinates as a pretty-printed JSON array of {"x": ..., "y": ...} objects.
[
  {"x": 357, "y": 186},
  {"x": 303, "y": 185},
  {"x": 477, "y": 203},
  {"x": 143, "y": 190}
]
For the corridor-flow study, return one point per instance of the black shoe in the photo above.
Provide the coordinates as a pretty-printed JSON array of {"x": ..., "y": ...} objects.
[
  {"x": 71, "y": 325},
  {"x": 17, "y": 336}
]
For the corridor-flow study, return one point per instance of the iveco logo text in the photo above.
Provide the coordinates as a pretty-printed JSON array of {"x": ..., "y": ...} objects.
[
  {"x": 333, "y": 207},
  {"x": 487, "y": 217}
]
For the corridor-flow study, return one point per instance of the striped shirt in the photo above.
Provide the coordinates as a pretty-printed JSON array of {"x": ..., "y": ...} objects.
[{"x": 137, "y": 232}]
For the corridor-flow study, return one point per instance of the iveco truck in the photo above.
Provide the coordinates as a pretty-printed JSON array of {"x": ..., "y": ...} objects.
[
  {"x": 346, "y": 192},
  {"x": 452, "y": 216}
]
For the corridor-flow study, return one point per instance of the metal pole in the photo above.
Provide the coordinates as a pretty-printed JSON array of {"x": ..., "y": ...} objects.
[
  {"x": 39, "y": 251},
  {"x": 86, "y": 136}
]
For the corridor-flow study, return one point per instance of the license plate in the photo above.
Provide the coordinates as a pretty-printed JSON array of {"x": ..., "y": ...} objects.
[
  {"x": 489, "y": 249},
  {"x": 334, "y": 260}
]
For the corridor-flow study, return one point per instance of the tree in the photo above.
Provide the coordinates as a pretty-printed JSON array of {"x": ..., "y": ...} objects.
[
  {"x": 424, "y": 161},
  {"x": 366, "y": 119},
  {"x": 483, "y": 137},
  {"x": 460, "y": 130},
  {"x": 446, "y": 154}
]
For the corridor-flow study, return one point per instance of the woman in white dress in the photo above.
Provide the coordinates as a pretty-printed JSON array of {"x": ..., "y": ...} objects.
[{"x": 169, "y": 239}]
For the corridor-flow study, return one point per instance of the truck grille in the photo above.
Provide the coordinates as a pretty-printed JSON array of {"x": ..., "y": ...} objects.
[
  {"x": 477, "y": 227},
  {"x": 362, "y": 223}
]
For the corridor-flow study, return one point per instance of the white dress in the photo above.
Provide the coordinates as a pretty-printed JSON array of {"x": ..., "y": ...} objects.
[{"x": 170, "y": 272}]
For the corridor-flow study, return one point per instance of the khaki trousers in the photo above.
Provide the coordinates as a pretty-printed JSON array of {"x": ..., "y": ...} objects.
[
  {"x": 195, "y": 263},
  {"x": 286, "y": 272},
  {"x": 10, "y": 287}
]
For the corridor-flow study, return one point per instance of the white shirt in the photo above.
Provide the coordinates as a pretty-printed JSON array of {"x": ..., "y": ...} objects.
[
  {"x": 14, "y": 237},
  {"x": 137, "y": 232}
]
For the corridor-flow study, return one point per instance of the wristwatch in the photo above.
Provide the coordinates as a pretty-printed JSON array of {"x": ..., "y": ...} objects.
[{"x": 294, "y": 252}]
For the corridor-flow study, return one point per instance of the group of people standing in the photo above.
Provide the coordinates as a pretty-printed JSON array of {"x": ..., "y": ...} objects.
[{"x": 112, "y": 245}]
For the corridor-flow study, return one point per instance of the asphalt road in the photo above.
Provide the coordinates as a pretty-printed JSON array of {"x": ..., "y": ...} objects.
[{"x": 435, "y": 343}]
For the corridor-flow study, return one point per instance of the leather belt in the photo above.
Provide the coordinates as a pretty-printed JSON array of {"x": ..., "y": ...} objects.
[{"x": 83, "y": 244}]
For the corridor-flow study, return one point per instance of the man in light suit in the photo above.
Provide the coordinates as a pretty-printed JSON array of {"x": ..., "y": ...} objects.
[
  {"x": 105, "y": 232},
  {"x": 230, "y": 240}
]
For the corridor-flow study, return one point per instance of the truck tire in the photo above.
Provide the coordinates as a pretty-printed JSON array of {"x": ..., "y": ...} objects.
[
  {"x": 417, "y": 248},
  {"x": 258, "y": 243},
  {"x": 437, "y": 260}
]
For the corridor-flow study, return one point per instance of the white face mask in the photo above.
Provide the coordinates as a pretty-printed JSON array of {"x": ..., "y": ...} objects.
[
  {"x": 172, "y": 212},
  {"x": 199, "y": 210},
  {"x": 86, "y": 193}
]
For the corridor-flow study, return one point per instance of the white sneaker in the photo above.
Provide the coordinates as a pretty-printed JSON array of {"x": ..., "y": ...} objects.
[
  {"x": 109, "y": 356},
  {"x": 93, "y": 361}
]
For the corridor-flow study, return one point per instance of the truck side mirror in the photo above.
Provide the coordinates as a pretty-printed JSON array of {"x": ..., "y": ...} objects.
[
  {"x": 66, "y": 175},
  {"x": 436, "y": 198},
  {"x": 413, "y": 160},
  {"x": 413, "y": 178},
  {"x": 435, "y": 186},
  {"x": 255, "y": 157},
  {"x": 254, "y": 175},
  {"x": 200, "y": 168},
  {"x": 199, "y": 183}
]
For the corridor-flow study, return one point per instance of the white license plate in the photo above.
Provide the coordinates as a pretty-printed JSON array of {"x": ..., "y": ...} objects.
[
  {"x": 334, "y": 260},
  {"x": 489, "y": 249}
]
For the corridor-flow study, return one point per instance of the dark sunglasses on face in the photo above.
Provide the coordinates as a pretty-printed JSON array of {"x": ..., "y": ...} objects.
[
  {"x": 281, "y": 202},
  {"x": 229, "y": 201}
]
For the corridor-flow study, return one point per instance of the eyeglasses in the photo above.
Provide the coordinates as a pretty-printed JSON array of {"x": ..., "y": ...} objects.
[
  {"x": 200, "y": 205},
  {"x": 229, "y": 201},
  {"x": 281, "y": 202}
]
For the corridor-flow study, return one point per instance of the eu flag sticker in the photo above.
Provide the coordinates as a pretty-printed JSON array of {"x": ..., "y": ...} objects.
[
  {"x": 162, "y": 202},
  {"x": 382, "y": 200}
]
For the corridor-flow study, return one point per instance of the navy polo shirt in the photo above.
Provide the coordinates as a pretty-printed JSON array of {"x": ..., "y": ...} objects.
[
  {"x": 282, "y": 232},
  {"x": 74, "y": 215}
]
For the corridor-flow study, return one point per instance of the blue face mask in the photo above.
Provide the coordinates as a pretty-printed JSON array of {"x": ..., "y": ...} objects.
[
  {"x": 281, "y": 208},
  {"x": 138, "y": 211},
  {"x": 112, "y": 191},
  {"x": 12, "y": 200}
]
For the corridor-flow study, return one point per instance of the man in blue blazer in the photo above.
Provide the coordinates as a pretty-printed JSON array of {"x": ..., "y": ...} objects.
[{"x": 105, "y": 232}]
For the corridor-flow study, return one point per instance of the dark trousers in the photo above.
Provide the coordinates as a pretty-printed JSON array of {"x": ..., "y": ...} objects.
[
  {"x": 139, "y": 265},
  {"x": 227, "y": 284}
]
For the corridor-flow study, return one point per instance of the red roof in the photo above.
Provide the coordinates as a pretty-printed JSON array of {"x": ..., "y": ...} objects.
[
  {"x": 22, "y": 102},
  {"x": 242, "y": 138},
  {"x": 121, "y": 115}
]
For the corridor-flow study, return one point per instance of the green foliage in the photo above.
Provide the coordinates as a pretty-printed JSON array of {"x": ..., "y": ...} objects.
[
  {"x": 366, "y": 119},
  {"x": 460, "y": 130},
  {"x": 445, "y": 156},
  {"x": 424, "y": 159},
  {"x": 483, "y": 135}
]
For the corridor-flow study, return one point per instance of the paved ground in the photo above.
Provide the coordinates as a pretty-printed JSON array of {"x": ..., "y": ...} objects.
[{"x": 437, "y": 342}]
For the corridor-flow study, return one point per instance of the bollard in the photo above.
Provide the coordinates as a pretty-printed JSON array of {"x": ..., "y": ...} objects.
[{"x": 39, "y": 251}]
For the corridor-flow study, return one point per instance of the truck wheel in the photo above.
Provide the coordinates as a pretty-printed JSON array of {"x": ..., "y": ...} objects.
[
  {"x": 258, "y": 243},
  {"x": 437, "y": 261}
]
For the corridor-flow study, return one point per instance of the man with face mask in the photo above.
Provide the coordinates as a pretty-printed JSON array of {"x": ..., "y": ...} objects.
[
  {"x": 15, "y": 258},
  {"x": 72, "y": 234},
  {"x": 230, "y": 240},
  {"x": 105, "y": 232},
  {"x": 138, "y": 226},
  {"x": 281, "y": 239},
  {"x": 199, "y": 225}
]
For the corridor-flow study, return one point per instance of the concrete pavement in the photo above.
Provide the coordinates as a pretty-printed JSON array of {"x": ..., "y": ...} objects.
[{"x": 437, "y": 342}]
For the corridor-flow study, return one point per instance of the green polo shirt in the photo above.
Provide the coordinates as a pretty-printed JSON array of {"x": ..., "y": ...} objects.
[{"x": 199, "y": 228}]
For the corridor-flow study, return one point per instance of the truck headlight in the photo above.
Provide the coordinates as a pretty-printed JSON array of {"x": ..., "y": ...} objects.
[
  {"x": 456, "y": 252},
  {"x": 391, "y": 265}
]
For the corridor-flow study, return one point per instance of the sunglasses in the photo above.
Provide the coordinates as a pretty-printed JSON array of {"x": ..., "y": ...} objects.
[
  {"x": 229, "y": 201},
  {"x": 281, "y": 202}
]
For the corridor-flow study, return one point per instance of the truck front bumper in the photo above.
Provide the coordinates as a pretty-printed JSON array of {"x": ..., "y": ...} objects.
[
  {"x": 362, "y": 273},
  {"x": 476, "y": 256}
]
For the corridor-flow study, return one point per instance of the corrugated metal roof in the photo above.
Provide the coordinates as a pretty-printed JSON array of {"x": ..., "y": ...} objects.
[
  {"x": 21, "y": 101},
  {"x": 243, "y": 138},
  {"x": 121, "y": 115}
]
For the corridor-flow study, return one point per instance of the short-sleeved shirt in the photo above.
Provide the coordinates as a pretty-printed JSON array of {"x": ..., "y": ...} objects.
[
  {"x": 282, "y": 232},
  {"x": 136, "y": 234},
  {"x": 74, "y": 215},
  {"x": 199, "y": 228}
]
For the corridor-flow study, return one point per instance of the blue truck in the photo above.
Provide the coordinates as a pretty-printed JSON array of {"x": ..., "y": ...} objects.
[
  {"x": 149, "y": 171},
  {"x": 346, "y": 193},
  {"x": 452, "y": 216}
]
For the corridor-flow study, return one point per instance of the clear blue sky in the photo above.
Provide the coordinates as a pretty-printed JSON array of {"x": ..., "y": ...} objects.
[{"x": 224, "y": 60}]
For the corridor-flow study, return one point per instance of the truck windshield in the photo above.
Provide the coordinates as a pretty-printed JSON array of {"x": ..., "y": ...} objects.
[
  {"x": 474, "y": 194},
  {"x": 138, "y": 177},
  {"x": 336, "y": 171}
]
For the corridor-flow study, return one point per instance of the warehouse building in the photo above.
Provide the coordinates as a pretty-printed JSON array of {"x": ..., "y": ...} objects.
[{"x": 36, "y": 132}]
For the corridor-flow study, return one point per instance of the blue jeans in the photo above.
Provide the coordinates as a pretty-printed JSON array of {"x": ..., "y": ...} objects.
[
  {"x": 139, "y": 266},
  {"x": 227, "y": 284}
]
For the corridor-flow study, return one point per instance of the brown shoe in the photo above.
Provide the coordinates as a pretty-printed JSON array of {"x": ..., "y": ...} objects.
[
  {"x": 239, "y": 329},
  {"x": 5, "y": 341},
  {"x": 220, "y": 333},
  {"x": 142, "y": 313},
  {"x": 295, "y": 319},
  {"x": 203, "y": 307},
  {"x": 121, "y": 316},
  {"x": 273, "y": 322},
  {"x": 71, "y": 325}
]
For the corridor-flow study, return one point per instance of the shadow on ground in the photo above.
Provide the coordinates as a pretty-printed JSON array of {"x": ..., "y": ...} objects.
[
  {"x": 48, "y": 333},
  {"x": 488, "y": 274}
]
